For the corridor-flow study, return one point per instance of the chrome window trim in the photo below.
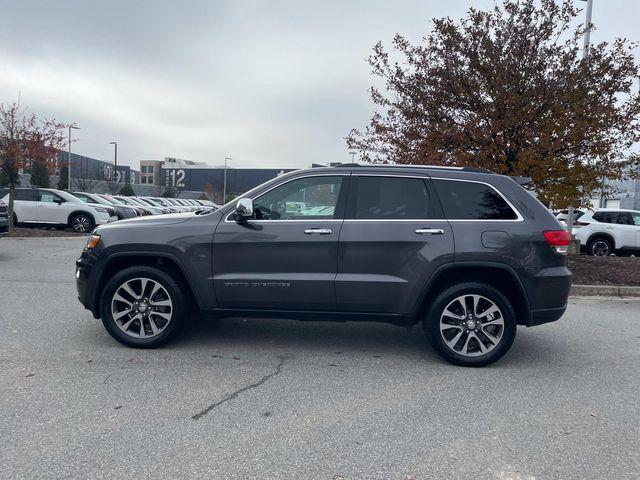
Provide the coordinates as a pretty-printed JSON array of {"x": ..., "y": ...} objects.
[
  {"x": 328, "y": 174},
  {"x": 519, "y": 216}
]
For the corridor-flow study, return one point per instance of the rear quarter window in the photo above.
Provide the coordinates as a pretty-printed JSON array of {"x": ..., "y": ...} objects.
[{"x": 463, "y": 200}]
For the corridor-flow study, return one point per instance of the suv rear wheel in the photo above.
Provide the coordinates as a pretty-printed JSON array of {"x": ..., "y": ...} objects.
[
  {"x": 142, "y": 307},
  {"x": 600, "y": 247},
  {"x": 470, "y": 324}
]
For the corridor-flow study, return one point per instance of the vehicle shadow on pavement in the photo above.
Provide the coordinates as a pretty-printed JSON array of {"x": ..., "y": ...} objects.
[
  {"x": 531, "y": 348},
  {"x": 317, "y": 337}
]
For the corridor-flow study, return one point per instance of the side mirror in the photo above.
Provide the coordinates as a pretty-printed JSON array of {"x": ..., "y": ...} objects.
[
  {"x": 244, "y": 210},
  {"x": 59, "y": 201}
]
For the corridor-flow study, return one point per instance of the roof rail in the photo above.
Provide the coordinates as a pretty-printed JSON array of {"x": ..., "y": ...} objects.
[{"x": 400, "y": 165}]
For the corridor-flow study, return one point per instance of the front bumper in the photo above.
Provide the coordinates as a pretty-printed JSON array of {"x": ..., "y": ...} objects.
[{"x": 84, "y": 284}]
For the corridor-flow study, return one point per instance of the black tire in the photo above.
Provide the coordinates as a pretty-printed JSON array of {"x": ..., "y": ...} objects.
[
  {"x": 445, "y": 299},
  {"x": 600, "y": 247},
  {"x": 81, "y": 222},
  {"x": 15, "y": 220},
  {"x": 178, "y": 312}
]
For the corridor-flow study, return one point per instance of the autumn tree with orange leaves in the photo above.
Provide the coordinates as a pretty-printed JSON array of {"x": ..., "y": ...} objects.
[
  {"x": 26, "y": 140},
  {"x": 508, "y": 90}
]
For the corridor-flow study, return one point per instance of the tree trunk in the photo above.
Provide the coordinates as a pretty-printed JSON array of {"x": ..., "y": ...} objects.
[{"x": 12, "y": 191}]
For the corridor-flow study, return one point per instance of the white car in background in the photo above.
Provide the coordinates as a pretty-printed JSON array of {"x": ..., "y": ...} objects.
[
  {"x": 49, "y": 207},
  {"x": 609, "y": 230}
]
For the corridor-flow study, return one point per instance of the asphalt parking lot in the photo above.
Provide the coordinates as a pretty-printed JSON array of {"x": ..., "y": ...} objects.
[{"x": 235, "y": 398}]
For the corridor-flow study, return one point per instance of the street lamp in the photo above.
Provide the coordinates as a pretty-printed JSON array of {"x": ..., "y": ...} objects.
[
  {"x": 353, "y": 156},
  {"x": 115, "y": 161},
  {"x": 74, "y": 127},
  {"x": 224, "y": 187}
]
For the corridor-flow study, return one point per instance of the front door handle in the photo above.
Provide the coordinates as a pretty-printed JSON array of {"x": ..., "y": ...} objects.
[
  {"x": 318, "y": 231},
  {"x": 430, "y": 231}
]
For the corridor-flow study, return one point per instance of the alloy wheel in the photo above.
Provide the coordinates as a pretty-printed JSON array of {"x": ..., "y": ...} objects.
[
  {"x": 81, "y": 224},
  {"x": 471, "y": 325},
  {"x": 141, "y": 308},
  {"x": 600, "y": 248}
]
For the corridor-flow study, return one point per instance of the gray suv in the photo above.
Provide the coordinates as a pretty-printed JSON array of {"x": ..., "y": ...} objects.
[{"x": 468, "y": 253}]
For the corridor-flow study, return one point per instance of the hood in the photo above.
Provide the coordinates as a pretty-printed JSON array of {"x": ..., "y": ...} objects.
[{"x": 167, "y": 219}]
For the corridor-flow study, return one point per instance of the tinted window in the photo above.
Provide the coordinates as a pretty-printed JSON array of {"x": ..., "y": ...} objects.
[
  {"x": 619, "y": 218},
  {"x": 391, "y": 198},
  {"x": 27, "y": 195},
  {"x": 472, "y": 201},
  {"x": 305, "y": 198}
]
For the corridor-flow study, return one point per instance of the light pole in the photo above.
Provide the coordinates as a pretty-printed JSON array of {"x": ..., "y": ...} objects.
[
  {"x": 224, "y": 185},
  {"x": 353, "y": 156},
  {"x": 585, "y": 53},
  {"x": 74, "y": 127},
  {"x": 115, "y": 161}
]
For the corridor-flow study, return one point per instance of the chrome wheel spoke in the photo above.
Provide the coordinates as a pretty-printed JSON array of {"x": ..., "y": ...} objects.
[
  {"x": 154, "y": 327},
  {"x": 161, "y": 303},
  {"x": 489, "y": 311},
  {"x": 130, "y": 291},
  {"x": 166, "y": 316},
  {"x": 118, "y": 315},
  {"x": 449, "y": 313},
  {"x": 491, "y": 337},
  {"x": 120, "y": 298},
  {"x": 454, "y": 340},
  {"x": 126, "y": 325}
]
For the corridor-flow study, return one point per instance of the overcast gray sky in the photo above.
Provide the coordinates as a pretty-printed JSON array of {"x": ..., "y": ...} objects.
[{"x": 268, "y": 83}]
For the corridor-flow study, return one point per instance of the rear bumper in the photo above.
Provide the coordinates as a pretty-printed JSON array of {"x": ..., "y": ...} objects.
[
  {"x": 548, "y": 291},
  {"x": 546, "y": 315}
]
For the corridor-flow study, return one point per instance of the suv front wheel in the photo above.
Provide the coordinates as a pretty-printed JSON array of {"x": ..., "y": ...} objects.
[
  {"x": 470, "y": 324},
  {"x": 81, "y": 223},
  {"x": 142, "y": 307}
]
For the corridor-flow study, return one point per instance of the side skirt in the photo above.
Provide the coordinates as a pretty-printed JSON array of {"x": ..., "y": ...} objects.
[{"x": 322, "y": 316}]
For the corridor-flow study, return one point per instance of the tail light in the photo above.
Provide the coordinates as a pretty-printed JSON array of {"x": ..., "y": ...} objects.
[{"x": 559, "y": 240}]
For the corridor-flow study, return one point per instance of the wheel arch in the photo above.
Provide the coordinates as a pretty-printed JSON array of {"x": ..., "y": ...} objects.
[
  {"x": 594, "y": 236},
  {"x": 499, "y": 276},
  {"x": 78, "y": 212},
  {"x": 161, "y": 260}
]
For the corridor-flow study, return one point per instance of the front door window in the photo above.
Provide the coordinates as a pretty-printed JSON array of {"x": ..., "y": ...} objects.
[{"x": 310, "y": 198}]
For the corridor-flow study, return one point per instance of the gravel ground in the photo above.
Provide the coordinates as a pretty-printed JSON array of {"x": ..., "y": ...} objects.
[{"x": 237, "y": 399}]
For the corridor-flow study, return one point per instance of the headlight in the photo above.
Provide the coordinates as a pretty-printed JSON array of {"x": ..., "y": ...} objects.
[{"x": 92, "y": 242}]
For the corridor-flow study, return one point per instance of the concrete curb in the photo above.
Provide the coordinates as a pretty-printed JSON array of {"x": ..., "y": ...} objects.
[{"x": 604, "y": 291}]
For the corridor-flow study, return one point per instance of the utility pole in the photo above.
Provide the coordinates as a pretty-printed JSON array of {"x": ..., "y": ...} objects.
[
  {"x": 224, "y": 188},
  {"x": 71, "y": 126},
  {"x": 585, "y": 53},
  {"x": 115, "y": 161}
]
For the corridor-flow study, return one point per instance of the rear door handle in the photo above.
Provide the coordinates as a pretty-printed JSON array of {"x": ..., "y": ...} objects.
[
  {"x": 430, "y": 231},
  {"x": 318, "y": 231}
]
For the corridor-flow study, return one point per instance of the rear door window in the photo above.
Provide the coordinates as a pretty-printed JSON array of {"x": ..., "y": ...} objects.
[
  {"x": 463, "y": 200},
  {"x": 27, "y": 195},
  {"x": 391, "y": 198},
  {"x": 617, "y": 218}
]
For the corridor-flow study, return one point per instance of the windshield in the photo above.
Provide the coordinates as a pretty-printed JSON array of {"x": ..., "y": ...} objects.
[{"x": 111, "y": 200}]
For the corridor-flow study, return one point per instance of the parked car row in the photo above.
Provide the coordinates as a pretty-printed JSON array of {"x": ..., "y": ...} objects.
[
  {"x": 606, "y": 230},
  {"x": 83, "y": 211}
]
